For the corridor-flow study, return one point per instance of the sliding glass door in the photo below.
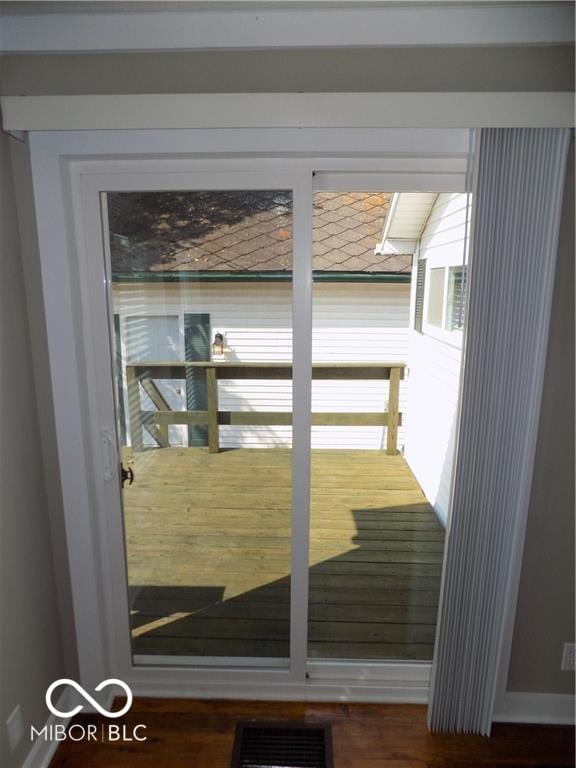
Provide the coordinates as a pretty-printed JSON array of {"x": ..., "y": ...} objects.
[
  {"x": 376, "y": 543},
  {"x": 201, "y": 300},
  {"x": 273, "y": 510}
]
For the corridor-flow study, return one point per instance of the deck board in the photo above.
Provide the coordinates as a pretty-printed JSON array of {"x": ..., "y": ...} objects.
[{"x": 208, "y": 541}]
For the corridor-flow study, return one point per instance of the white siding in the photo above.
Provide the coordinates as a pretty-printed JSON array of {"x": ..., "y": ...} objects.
[
  {"x": 434, "y": 365},
  {"x": 352, "y": 323}
]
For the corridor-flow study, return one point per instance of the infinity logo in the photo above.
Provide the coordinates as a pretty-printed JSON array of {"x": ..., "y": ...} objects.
[{"x": 89, "y": 699}]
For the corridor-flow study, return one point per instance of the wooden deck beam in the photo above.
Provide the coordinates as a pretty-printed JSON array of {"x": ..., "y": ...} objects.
[{"x": 266, "y": 418}]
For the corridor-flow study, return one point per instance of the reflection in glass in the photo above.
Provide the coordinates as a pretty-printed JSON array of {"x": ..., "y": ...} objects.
[{"x": 201, "y": 297}]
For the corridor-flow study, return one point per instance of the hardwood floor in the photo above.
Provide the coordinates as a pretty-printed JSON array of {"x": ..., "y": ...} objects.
[
  {"x": 208, "y": 540},
  {"x": 200, "y": 734}
]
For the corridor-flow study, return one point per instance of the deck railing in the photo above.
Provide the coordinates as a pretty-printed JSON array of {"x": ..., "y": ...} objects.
[{"x": 156, "y": 422}]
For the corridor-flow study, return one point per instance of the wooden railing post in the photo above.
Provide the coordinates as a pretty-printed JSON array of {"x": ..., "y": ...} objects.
[
  {"x": 212, "y": 407},
  {"x": 393, "y": 410},
  {"x": 136, "y": 436}
]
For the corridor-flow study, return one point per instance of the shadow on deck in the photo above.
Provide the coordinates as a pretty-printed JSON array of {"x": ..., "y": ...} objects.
[{"x": 209, "y": 555}]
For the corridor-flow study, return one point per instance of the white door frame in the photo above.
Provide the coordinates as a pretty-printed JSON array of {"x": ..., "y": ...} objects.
[{"x": 69, "y": 172}]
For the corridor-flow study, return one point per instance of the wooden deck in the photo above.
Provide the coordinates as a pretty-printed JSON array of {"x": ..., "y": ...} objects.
[{"x": 208, "y": 538}]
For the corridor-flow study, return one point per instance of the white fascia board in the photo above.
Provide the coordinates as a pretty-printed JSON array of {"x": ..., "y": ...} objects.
[
  {"x": 287, "y": 110},
  {"x": 536, "y": 23},
  {"x": 389, "y": 216},
  {"x": 396, "y": 247}
]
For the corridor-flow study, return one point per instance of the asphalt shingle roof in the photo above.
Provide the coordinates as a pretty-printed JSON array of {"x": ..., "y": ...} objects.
[{"x": 238, "y": 231}]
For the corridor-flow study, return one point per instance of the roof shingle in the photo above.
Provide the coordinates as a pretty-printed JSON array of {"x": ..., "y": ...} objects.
[{"x": 238, "y": 231}]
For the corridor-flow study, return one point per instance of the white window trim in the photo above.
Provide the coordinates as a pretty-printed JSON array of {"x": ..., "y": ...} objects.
[{"x": 56, "y": 177}]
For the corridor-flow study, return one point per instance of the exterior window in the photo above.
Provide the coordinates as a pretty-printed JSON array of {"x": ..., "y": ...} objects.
[
  {"x": 156, "y": 338},
  {"x": 152, "y": 338},
  {"x": 420, "y": 285},
  {"x": 436, "y": 297},
  {"x": 456, "y": 298}
]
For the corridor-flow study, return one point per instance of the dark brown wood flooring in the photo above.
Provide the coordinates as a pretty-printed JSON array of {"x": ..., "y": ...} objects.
[{"x": 199, "y": 734}]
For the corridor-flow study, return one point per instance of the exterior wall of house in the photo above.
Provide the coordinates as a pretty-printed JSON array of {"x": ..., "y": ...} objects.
[
  {"x": 353, "y": 322},
  {"x": 434, "y": 358}
]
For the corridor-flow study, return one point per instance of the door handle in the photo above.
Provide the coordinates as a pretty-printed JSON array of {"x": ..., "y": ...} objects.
[
  {"x": 109, "y": 455},
  {"x": 127, "y": 474}
]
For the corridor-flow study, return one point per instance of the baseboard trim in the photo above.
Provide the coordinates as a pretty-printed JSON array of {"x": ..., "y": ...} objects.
[
  {"x": 544, "y": 708},
  {"x": 42, "y": 750}
]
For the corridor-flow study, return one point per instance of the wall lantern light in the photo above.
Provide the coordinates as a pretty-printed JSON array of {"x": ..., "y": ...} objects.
[{"x": 218, "y": 344}]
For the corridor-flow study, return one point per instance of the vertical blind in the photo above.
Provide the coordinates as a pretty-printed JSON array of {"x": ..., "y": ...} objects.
[{"x": 518, "y": 197}]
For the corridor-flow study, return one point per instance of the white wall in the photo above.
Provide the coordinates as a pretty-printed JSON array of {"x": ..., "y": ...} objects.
[
  {"x": 434, "y": 364},
  {"x": 406, "y": 69},
  {"x": 352, "y": 323},
  {"x": 545, "y": 613},
  {"x": 31, "y": 646},
  {"x": 30, "y": 640}
]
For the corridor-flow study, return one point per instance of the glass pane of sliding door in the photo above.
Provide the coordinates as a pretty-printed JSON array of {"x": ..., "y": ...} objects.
[
  {"x": 376, "y": 542},
  {"x": 201, "y": 304}
]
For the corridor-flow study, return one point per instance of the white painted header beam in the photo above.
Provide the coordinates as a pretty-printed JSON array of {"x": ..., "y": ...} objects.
[
  {"x": 276, "y": 27},
  {"x": 287, "y": 110}
]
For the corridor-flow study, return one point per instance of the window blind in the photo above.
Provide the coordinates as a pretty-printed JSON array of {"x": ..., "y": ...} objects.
[
  {"x": 457, "y": 296},
  {"x": 518, "y": 198},
  {"x": 420, "y": 286}
]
